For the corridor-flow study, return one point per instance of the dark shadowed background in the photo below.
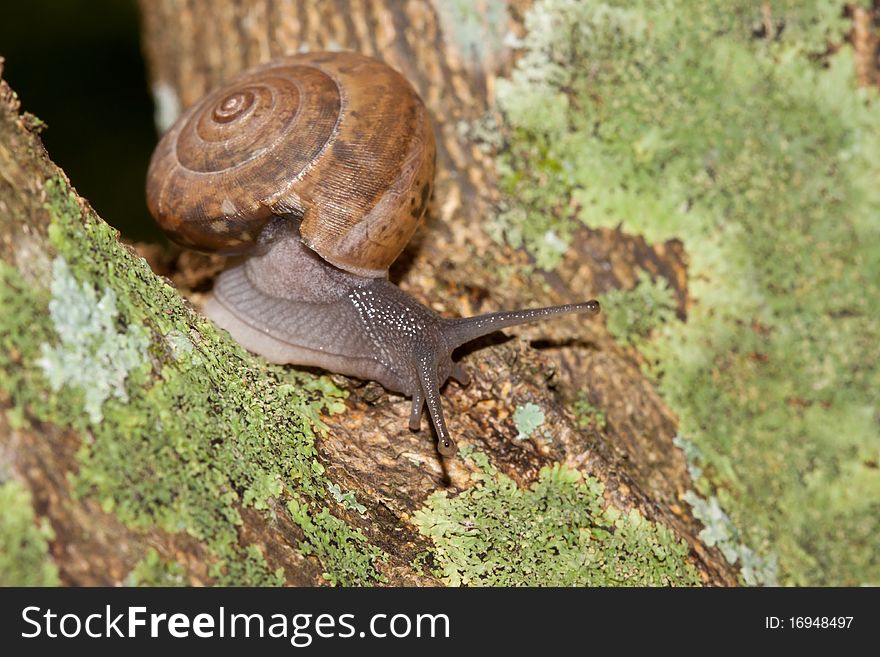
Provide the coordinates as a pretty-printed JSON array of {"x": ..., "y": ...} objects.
[{"x": 83, "y": 75}]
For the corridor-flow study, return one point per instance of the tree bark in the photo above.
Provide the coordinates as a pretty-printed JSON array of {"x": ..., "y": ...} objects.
[
  {"x": 452, "y": 266},
  {"x": 866, "y": 43}
]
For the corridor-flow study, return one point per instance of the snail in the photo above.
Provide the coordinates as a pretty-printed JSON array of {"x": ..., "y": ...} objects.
[{"x": 318, "y": 168}]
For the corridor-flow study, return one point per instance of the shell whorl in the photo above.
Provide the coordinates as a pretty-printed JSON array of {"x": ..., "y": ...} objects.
[{"x": 338, "y": 141}]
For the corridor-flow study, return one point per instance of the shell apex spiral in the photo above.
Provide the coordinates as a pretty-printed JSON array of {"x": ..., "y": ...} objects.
[{"x": 336, "y": 140}]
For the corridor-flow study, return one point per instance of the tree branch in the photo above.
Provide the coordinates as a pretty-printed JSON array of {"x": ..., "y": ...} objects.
[{"x": 157, "y": 449}]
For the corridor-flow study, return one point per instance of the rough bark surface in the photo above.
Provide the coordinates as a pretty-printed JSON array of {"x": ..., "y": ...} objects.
[
  {"x": 866, "y": 42},
  {"x": 452, "y": 266}
]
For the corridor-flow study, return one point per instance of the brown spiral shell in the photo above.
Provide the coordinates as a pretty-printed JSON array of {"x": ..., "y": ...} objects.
[{"x": 338, "y": 140}]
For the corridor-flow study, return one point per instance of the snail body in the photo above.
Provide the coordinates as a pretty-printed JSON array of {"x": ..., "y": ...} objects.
[{"x": 318, "y": 168}]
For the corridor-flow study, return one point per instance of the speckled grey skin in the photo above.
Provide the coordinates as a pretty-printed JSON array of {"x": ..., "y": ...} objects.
[{"x": 289, "y": 306}]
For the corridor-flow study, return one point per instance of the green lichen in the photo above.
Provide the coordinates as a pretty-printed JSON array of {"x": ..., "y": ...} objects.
[
  {"x": 202, "y": 428},
  {"x": 527, "y": 420},
  {"x": 152, "y": 570},
  {"x": 480, "y": 459},
  {"x": 587, "y": 414},
  {"x": 632, "y": 315},
  {"x": 249, "y": 569},
  {"x": 559, "y": 532},
  {"x": 181, "y": 346},
  {"x": 345, "y": 553},
  {"x": 346, "y": 499},
  {"x": 758, "y": 151},
  {"x": 24, "y": 542}
]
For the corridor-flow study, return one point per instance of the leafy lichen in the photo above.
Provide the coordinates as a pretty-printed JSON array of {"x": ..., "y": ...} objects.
[
  {"x": 586, "y": 413},
  {"x": 718, "y": 529},
  {"x": 339, "y": 548},
  {"x": 250, "y": 568},
  {"x": 631, "y": 315},
  {"x": 527, "y": 420},
  {"x": 24, "y": 542},
  {"x": 688, "y": 120},
  {"x": 346, "y": 499},
  {"x": 693, "y": 455},
  {"x": 200, "y": 428},
  {"x": 559, "y": 532},
  {"x": 152, "y": 570}
]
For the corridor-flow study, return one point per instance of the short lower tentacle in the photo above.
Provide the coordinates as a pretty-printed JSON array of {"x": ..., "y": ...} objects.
[{"x": 460, "y": 374}]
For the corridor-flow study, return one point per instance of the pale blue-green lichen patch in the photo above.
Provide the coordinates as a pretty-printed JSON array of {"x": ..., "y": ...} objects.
[
  {"x": 94, "y": 354},
  {"x": 718, "y": 529},
  {"x": 347, "y": 499},
  {"x": 528, "y": 419}
]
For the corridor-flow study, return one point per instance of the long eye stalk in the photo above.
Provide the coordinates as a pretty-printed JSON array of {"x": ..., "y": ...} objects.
[{"x": 461, "y": 331}]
